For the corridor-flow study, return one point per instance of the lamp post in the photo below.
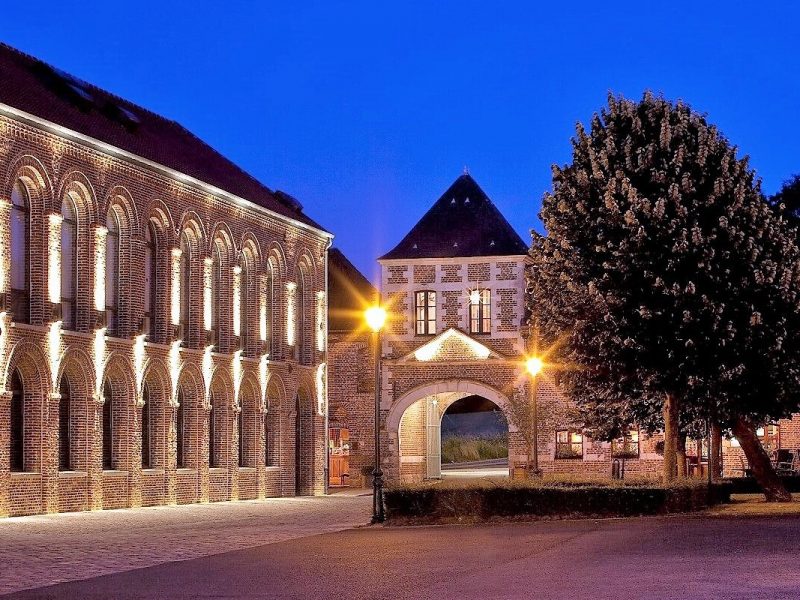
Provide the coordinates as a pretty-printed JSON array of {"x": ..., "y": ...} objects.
[
  {"x": 376, "y": 318},
  {"x": 534, "y": 366}
]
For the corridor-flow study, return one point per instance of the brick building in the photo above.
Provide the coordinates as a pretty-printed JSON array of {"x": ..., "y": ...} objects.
[
  {"x": 351, "y": 383},
  {"x": 455, "y": 286},
  {"x": 163, "y": 327}
]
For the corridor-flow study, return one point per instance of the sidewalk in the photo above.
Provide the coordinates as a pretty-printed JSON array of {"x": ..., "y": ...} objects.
[{"x": 46, "y": 549}]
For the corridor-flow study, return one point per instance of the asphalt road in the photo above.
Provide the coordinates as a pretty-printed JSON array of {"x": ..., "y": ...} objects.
[{"x": 674, "y": 557}]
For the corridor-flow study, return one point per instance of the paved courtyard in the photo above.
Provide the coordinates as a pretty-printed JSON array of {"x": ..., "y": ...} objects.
[
  {"x": 43, "y": 550},
  {"x": 653, "y": 558}
]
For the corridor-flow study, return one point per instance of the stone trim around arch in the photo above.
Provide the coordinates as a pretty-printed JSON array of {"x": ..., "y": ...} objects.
[{"x": 446, "y": 386}]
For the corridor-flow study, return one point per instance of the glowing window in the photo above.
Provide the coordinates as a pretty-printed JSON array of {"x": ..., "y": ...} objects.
[
  {"x": 425, "y": 312},
  {"x": 569, "y": 443},
  {"x": 480, "y": 311}
]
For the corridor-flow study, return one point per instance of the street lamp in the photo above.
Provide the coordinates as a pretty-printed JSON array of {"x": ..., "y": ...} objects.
[
  {"x": 534, "y": 365},
  {"x": 376, "y": 319}
]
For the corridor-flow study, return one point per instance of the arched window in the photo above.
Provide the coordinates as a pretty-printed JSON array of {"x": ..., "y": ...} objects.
[
  {"x": 150, "y": 279},
  {"x": 240, "y": 432},
  {"x": 112, "y": 271},
  {"x": 244, "y": 302},
  {"x": 301, "y": 310},
  {"x": 17, "y": 441},
  {"x": 216, "y": 290},
  {"x": 180, "y": 429},
  {"x": 213, "y": 454},
  {"x": 267, "y": 441},
  {"x": 108, "y": 427},
  {"x": 20, "y": 258},
  {"x": 69, "y": 261},
  {"x": 185, "y": 294},
  {"x": 64, "y": 427},
  {"x": 146, "y": 424},
  {"x": 270, "y": 300}
]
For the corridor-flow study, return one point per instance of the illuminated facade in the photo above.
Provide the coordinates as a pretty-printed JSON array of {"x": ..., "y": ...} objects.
[
  {"x": 146, "y": 355},
  {"x": 455, "y": 288}
]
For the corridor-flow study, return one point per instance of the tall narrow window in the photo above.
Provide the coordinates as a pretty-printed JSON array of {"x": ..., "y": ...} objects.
[
  {"x": 112, "y": 271},
  {"x": 180, "y": 431},
  {"x": 300, "y": 311},
  {"x": 425, "y": 312},
  {"x": 216, "y": 290},
  {"x": 64, "y": 427},
  {"x": 146, "y": 437},
  {"x": 240, "y": 433},
  {"x": 244, "y": 303},
  {"x": 17, "y": 423},
  {"x": 20, "y": 212},
  {"x": 69, "y": 261},
  {"x": 185, "y": 313},
  {"x": 150, "y": 279},
  {"x": 212, "y": 435},
  {"x": 271, "y": 322},
  {"x": 108, "y": 427},
  {"x": 480, "y": 315}
]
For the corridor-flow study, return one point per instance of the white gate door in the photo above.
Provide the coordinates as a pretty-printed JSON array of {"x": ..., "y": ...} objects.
[{"x": 433, "y": 439}]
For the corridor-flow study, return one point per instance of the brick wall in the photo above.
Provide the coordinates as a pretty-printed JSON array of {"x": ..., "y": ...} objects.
[{"x": 271, "y": 252}]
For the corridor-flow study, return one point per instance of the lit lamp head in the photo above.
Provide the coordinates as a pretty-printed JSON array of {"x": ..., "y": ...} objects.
[
  {"x": 534, "y": 365},
  {"x": 376, "y": 318},
  {"x": 475, "y": 297}
]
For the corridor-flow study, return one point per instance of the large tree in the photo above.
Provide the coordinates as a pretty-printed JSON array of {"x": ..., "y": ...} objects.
[
  {"x": 668, "y": 283},
  {"x": 788, "y": 198}
]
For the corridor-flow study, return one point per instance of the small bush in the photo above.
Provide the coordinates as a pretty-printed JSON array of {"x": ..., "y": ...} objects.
[
  {"x": 482, "y": 499},
  {"x": 463, "y": 449}
]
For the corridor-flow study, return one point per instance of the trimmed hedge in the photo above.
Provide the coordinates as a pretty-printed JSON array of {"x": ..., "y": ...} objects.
[{"x": 442, "y": 503}]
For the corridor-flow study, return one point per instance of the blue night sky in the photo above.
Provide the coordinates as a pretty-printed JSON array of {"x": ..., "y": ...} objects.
[{"x": 366, "y": 112}]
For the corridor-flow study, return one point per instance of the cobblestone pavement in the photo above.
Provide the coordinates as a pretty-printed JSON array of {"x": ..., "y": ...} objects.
[{"x": 43, "y": 550}]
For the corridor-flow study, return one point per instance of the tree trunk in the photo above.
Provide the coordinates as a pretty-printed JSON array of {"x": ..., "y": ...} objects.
[
  {"x": 765, "y": 475},
  {"x": 681, "y": 456},
  {"x": 715, "y": 452},
  {"x": 670, "y": 437}
]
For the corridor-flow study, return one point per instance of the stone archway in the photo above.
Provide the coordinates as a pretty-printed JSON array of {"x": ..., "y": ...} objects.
[{"x": 414, "y": 425}]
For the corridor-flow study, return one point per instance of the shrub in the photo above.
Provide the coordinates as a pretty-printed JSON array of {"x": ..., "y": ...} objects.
[
  {"x": 552, "y": 498},
  {"x": 464, "y": 449}
]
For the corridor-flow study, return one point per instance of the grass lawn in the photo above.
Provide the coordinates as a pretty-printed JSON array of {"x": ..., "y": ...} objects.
[{"x": 754, "y": 505}]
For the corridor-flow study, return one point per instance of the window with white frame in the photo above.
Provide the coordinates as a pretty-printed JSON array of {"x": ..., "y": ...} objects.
[
  {"x": 480, "y": 311},
  {"x": 425, "y": 312}
]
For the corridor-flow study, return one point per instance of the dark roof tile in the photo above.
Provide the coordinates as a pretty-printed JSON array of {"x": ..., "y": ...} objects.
[
  {"x": 463, "y": 222},
  {"x": 35, "y": 87},
  {"x": 348, "y": 292}
]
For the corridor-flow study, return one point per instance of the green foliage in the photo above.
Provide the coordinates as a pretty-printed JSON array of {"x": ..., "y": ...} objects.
[
  {"x": 665, "y": 271},
  {"x": 787, "y": 199},
  {"x": 462, "y": 449},
  {"x": 546, "y": 498}
]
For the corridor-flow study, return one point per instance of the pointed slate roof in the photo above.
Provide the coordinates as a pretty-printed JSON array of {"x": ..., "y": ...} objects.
[
  {"x": 463, "y": 222},
  {"x": 35, "y": 87},
  {"x": 348, "y": 291}
]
